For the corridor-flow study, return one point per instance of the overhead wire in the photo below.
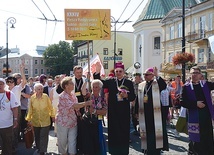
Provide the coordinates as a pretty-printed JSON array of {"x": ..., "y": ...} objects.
[
  {"x": 45, "y": 18},
  {"x": 125, "y": 20},
  {"x": 131, "y": 15},
  {"x": 54, "y": 18},
  {"x": 124, "y": 10}
]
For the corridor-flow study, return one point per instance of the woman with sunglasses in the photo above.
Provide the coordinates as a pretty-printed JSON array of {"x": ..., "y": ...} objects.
[{"x": 12, "y": 85}]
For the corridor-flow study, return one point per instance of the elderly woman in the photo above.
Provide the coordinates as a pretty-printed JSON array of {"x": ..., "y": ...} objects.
[
  {"x": 93, "y": 139},
  {"x": 39, "y": 112},
  {"x": 66, "y": 119}
]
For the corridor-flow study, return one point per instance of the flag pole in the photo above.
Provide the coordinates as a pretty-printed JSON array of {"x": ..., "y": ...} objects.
[{"x": 89, "y": 72}]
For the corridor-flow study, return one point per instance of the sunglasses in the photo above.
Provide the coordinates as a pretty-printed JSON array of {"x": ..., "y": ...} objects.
[
  {"x": 147, "y": 74},
  {"x": 196, "y": 73},
  {"x": 119, "y": 71},
  {"x": 9, "y": 81}
]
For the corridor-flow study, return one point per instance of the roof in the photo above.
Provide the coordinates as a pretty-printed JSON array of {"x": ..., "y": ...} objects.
[
  {"x": 157, "y": 9},
  {"x": 32, "y": 53}
]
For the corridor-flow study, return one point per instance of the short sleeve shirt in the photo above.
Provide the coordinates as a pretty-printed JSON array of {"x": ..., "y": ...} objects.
[{"x": 6, "y": 119}]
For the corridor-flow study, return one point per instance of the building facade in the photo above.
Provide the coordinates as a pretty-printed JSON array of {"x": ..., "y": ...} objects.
[
  {"x": 199, "y": 26},
  {"x": 34, "y": 62},
  {"x": 105, "y": 49},
  {"x": 148, "y": 33}
]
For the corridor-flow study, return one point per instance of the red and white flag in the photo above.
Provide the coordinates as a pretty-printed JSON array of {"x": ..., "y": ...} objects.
[{"x": 93, "y": 62}]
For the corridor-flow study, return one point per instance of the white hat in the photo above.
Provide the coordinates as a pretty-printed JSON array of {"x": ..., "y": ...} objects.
[{"x": 2, "y": 80}]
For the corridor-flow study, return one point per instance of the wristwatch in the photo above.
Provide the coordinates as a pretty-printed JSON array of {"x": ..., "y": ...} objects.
[{"x": 15, "y": 118}]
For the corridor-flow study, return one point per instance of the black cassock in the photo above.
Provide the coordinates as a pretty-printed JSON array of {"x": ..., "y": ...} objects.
[{"x": 118, "y": 116}]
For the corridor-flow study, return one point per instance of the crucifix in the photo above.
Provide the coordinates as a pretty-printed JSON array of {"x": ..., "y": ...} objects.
[{"x": 140, "y": 50}]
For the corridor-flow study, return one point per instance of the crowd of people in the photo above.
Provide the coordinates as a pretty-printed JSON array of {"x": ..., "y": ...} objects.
[{"x": 76, "y": 106}]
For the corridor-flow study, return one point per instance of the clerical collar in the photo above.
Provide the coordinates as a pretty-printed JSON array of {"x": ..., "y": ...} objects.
[
  {"x": 119, "y": 79},
  {"x": 78, "y": 79}
]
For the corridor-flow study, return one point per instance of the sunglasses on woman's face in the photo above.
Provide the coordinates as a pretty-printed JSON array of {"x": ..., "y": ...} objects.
[{"x": 10, "y": 81}]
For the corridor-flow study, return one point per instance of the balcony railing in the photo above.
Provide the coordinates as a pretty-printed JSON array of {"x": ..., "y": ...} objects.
[{"x": 196, "y": 35}]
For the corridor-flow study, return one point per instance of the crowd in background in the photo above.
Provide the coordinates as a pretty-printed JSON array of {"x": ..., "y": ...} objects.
[{"x": 75, "y": 107}]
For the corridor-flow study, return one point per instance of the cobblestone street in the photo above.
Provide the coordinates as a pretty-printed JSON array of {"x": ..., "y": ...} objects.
[{"x": 178, "y": 146}]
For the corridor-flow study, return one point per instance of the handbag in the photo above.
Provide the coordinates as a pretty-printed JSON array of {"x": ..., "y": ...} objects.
[
  {"x": 181, "y": 125},
  {"x": 89, "y": 119},
  {"x": 29, "y": 136}
]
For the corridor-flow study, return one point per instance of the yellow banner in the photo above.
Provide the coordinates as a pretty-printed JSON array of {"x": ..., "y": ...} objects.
[{"x": 87, "y": 24}]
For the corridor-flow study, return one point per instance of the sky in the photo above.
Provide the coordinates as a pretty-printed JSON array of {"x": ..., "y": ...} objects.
[{"x": 31, "y": 29}]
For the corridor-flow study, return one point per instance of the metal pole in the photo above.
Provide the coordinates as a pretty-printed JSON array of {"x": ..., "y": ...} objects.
[
  {"x": 114, "y": 43},
  {"x": 115, "y": 23},
  {"x": 12, "y": 21},
  {"x": 7, "y": 49},
  {"x": 183, "y": 40}
]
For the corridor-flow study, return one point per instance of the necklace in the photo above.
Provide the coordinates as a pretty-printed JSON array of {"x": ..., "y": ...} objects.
[
  {"x": 78, "y": 87},
  {"x": 121, "y": 83},
  {"x": 147, "y": 89}
]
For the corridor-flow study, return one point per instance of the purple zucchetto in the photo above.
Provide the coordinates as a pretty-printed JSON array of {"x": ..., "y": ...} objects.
[
  {"x": 149, "y": 71},
  {"x": 119, "y": 65}
]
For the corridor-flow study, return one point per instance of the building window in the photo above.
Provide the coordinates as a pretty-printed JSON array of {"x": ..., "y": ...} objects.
[
  {"x": 156, "y": 42},
  {"x": 36, "y": 71},
  {"x": 210, "y": 20},
  {"x": 47, "y": 71},
  {"x": 202, "y": 26},
  {"x": 170, "y": 56},
  {"x": 26, "y": 71},
  {"x": 194, "y": 22},
  {"x": 105, "y": 51},
  {"x": 91, "y": 52},
  {"x": 105, "y": 64},
  {"x": 42, "y": 62},
  {"x": 171, "y": 32},
  {"x": 120, "y": 51},
  {"x": 179, "y": 30},
  {"x": 36, "y": 62},
  {"x": 200, "y": 55},
  {"x": 42, "y": 71},
  {"x": 193, "y": 51}
]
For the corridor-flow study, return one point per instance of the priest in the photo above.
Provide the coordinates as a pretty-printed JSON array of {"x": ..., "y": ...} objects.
[
  {"x": 152, "y": 117},
  {"x": 120, "y": 93},
  {"x": 196, "y": 97}
]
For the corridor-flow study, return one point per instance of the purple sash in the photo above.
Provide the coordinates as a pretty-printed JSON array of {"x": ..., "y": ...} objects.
[{"x": 193, "y": 122}]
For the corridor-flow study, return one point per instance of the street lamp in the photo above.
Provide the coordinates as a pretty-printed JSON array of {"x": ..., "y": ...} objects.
[
  {"x": 115, "y": 22},
  {"x": 12, "y": 21}
]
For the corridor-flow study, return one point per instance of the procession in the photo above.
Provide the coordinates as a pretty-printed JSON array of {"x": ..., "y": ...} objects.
[{"x": 101, "y": 85}]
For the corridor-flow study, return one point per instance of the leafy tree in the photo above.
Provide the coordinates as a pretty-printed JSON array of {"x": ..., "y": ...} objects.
[
  {"x": 59, "y": 58},
  {"x": 75, "y": 44}
]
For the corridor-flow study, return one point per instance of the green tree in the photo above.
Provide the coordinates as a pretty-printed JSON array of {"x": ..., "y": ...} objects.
[
  {"x": 75, "y": 44},
  {"x": 59, "y": 58}
]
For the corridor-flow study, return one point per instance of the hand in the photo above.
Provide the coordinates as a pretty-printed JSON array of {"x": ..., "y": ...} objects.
[
  {"x": 155, "y": 71},
  {"x": 53, "y": 119},
  {"x": 98, "y": 67},
  {"x": 22, "y": 65},
  {"x": 29, "y": 123},
  {"x": 88, "y": 103},
  {"x": 200, "y": 104},
  {"x": 15, "y": 124},
  {"x": 124, "y": 94}
]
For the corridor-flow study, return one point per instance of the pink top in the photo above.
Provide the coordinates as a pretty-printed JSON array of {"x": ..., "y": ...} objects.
[{"x": 65, "y": 114}]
